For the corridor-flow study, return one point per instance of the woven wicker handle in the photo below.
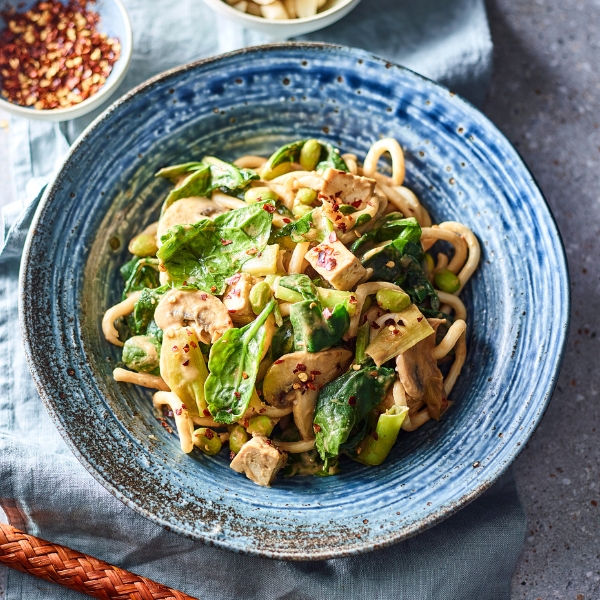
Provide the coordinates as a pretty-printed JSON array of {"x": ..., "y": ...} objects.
[{"x": 77, "y": 571}]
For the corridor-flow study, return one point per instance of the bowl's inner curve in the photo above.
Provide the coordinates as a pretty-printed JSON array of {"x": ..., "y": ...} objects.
[{"x": 460, "y": 168}]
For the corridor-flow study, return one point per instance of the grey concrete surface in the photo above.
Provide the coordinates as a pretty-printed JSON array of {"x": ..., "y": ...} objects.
[{"x": 545, "y": 96}]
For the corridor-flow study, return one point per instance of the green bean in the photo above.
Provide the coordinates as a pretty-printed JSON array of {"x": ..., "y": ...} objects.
[
  {"x": 447, "y": 281},
  {"x": 143, "y": 245},
  {"x": 260, "y": 295},
  {"x": 237, "y": 438},
  {"x": 259, "y": 194},
  {"x": 207, "y": 440},
  {"x": 300, "y": 210},
  {"x": 260, "y": 425},
  {"x": 377, "y": 445},
  {"x": 305, "y": 196},
  {"x": 393, "y": 300},
  {"x": 310, "y": 154}
]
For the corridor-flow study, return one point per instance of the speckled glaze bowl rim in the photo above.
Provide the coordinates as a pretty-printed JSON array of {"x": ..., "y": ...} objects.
[
  {"x": 406, "y": 532},
  {"x": 95, "y": 100}
]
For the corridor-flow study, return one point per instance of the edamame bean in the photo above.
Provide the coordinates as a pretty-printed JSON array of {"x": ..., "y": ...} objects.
[
  {"x": 447, "y": 281},
  {"x": 259, "y": 194},
  {"x": 260, "y": 425},
  {"x": 305, "y": 196},
  {"x": 300, "y": 210},
  {"x": 393, "y": 300},
  {"x": 207, "y": 440},
  {"x": 310, "y": 154},
  {"x": 237, "y": 438},
  {"x": 260, "y": 294},
  {"x": 429, "y": 263},
  {"x": 143, "y": 245}
]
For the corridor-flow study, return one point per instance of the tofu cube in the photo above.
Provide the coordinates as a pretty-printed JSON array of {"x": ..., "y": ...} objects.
[
  {"x": 259, "y": 460},
  {"x": 347, "y": 188},
  {"x": 237, "y": 298},
  {"x": 335, "y": 263}
]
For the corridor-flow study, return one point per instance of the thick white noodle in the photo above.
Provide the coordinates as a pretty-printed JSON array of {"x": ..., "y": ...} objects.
[
  {"x": 377, "y": 150},
  {"x": 250, "y": 161},
  {"x": 295, "y": 447},
  {"x": 205, "y": 421},
  {"x": 362, "y": 291},
  {"x": 113, "y": 313},
  {"x": 227, "y": 202},
  {"x": 297, "y": 262},
  {"x": 416, "y": 420},
  {"x": 350, "y": 160},
  {"x": 154, "y": 382},
  {"x": 460, "y": 312},
  {"x": 430, "y": 235},
  {"x": 185, "y": 425},
  {"x": 474, "y": 250},
  {"x": 460, "y": 355},
  {"x": 457, "y": 329}
]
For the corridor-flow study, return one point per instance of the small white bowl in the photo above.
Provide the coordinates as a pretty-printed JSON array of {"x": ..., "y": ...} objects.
[
  {"x": 115, "y": 23},
  {"x": 288, "y": 28}
]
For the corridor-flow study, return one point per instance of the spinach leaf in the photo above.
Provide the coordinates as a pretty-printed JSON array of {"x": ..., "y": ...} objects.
[
  {"x": 302, "y": 284},
  {"x": 415, "y": 283},
  {"x": 344, "y": 403},
  {"x": 140, "y": 273},
  {"x": 391, "y": 227},
  {"x": 312, "y": 227},
  {"x": 233, "y": 365},
  {"x": 330, "y": 157},
  {"x": 197, "y": 183},
  {"x": 174, "y": 172},
  {"x": 209, "y": 252},
  {"x": 226, "y": 176},
  {"x": 283, "y": 340},
  {"x": 143, "y": 311},
  {"x": 314, "y": 329},
  {"x": 286, "y": 153}
]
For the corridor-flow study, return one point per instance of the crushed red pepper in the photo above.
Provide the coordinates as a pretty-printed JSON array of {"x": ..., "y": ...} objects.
[{"x": 53, "y": 56}]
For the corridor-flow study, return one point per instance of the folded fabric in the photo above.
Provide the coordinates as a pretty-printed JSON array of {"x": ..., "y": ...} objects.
[{"x": 43, "y": 488}]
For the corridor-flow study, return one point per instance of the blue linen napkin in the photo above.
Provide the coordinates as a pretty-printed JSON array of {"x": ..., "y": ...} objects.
[{"x": 43, "y": 488}]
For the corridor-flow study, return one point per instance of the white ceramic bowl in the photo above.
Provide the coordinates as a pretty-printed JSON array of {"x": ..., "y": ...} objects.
[
  {"x": 282, "y": 30},
  {"x": 114, "y": 22}
]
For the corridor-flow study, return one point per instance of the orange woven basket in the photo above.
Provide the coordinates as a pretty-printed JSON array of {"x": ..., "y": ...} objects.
[{"x": 76, "y": 570}]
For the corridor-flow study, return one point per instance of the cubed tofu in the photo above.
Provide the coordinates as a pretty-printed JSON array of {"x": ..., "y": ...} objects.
[
  {"x": 347, "y": 188},
  {"x": 335, "y": 263},
  {"x": 237, "y": 298},
  {"x": 259, "y": 460}
]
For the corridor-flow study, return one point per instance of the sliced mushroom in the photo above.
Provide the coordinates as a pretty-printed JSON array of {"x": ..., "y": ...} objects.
[
  {"x": 203, "y": 312},
  {"x": 418, "y": 371},
  {"x": 295, "y": 380},
  {"x": 237, "y": 298},
  {"x": 187, "y": 211}
]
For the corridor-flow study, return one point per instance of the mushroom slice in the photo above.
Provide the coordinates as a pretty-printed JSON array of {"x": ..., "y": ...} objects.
[
  {"x": 419, "y": 373},
  {"x": 187, "y": 211},
  {"x": 295, "y": 380},
  {"x": 203, "y": 312}
]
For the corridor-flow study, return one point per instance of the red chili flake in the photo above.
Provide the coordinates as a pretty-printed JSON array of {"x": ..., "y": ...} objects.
[
  {"x": 400, "y": 322},
  {"x": 245, "y": 423},
  {"x": 244, "y": 375},
  {"x": 189, "y": 332},
  {"x": 226, "y": 242},
  {"x": 184, "y": 406},
  {"x": 364, "y": 319},
  {"x": 300, "y": 367},
  {"x": 327, "y": 313},
  {"x": 232, "y": 310},
  {"x": 356, "y": 204},
  {"x": 53, "y": 55},
  {"x": 332, "y": 237},
  {"x": 375, "y": 435},
  {"x": 315, "y": 372},
  {"x": 267, "y": 441},
  {"x": 178, "y": 411},
  {"x": 186, "y": 363},
  {"x": 286, "y": 220},
  {"x": 186, "y": 348},
  {"x": 311, "y": 386},
  {"x": 373, "y": 373},
  {"x": 213, "y": 288},
  {"x": 374, "y": 325},
  {"x": 184, "y": 284},
  {"x": 237, "y": 395},
  {"x": 262, "y": 410},
  {"x": 193, "y": 344},
  {"x": 269, "y": 208},
  {"x": 203, "y": 296},
  {"x": 232, "y": 455},
  {"x": 389, "y": 322},
  {"x": 278, "y": 362},
  {"x": 352, "y": 401},
  {"x": 316, "y": 428},
  {"x": 444, "y": 402},
  {"x": 325, "y": 259},
  {"x": 419, "y": 319},
  {"x": 342, "y": 226},
  {"x": 338, "y": 217},
  {"x": 174, "y": 348},
  {"x": 353, "y": 300},
  {"x": 206, "y": 412},
  {"x": 252, "y": 251},
  {"x": 335, "y": 206},
  {"x": 209, "y": 434},
  {"x": 395, "y": 332}
]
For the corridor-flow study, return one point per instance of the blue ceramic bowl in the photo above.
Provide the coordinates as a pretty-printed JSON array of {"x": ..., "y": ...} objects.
[
  {"x": 250, "y": 101},
  {"x": 115, "y": 23}
]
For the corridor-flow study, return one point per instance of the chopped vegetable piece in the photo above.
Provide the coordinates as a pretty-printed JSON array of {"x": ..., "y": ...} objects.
[
  {"x": 141, "y": 353},
  {"x": 375, "y": 446}
]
